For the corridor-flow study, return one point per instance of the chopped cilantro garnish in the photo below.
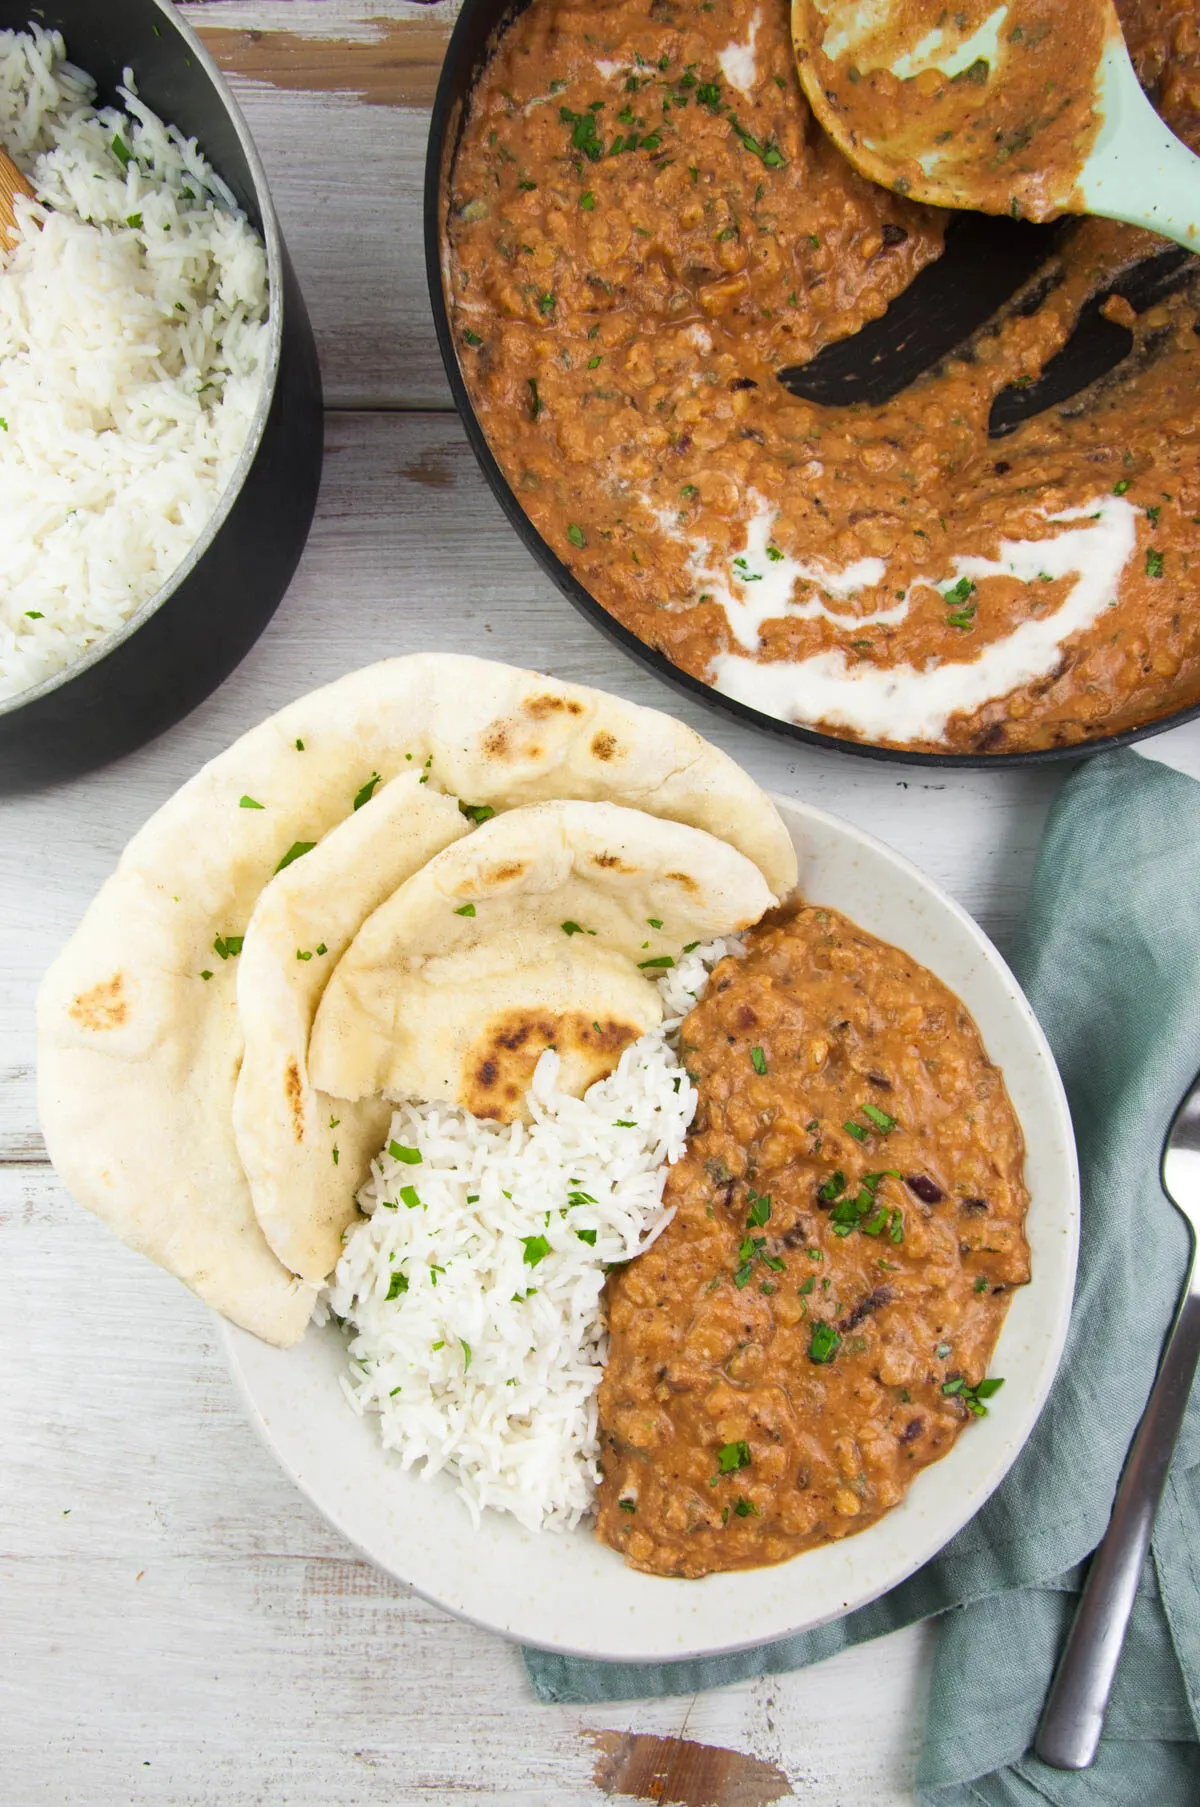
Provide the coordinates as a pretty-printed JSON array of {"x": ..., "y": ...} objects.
[
  {"x": 587, "y": 200},
  {"x": 744, "y": 1509},
  {"x": 584, "y": 136},
  {"x": 228, "y": 946},
  {"x": 299, "y": 746},
  {"x": 397, "y": 1285},
  {"x": 410, "y": 1197},
  {"x": 576, "y": 535},
  {"x": 654, "y": 921},
  {"x": 824, "y": 1343},
  {"x": 121, "y": 151},
  {"x": 248, "y": 803},
  {"x": 411, "y": 1157},
  {"x": 206, "y": 974},
  {"x": 981, "y": 1283},
  {"x": 135, "y": 220},
  {"x": 1154, "y": 563},
  {"x": 833, "y": 1188},
  {"x": 758, "y": 1060},
  {"x": 301, "y": 955},
  {"x": 806, "y": 1286},
  {"x": 732, "y": 1456},
  {"x": 768, "y": 154},
  {"x": 367, "y": 792},
  {"x": 30, "y": 614},
  {"x": 1120, "y": 488},
  {"x": 973, "y": 1397},
  {"x": 760, "y": 1210},
  {"x": 856, "y": 1130},
  {"x": 627, "y": 1505},
  {"x": 471, "y": 338},
  {"x": 465, "y": 910},
  {"x": 296, "y": 851},
  {"x": 880, "y": 1119},
  {"x": 535, "y": 400},
  {"x": 536, "y": 1249},
  {"x": 571, "y": 928},
  {"x": 476, "y": 812},
  {"x": 336, "y": 1156},
  {"x": 466, "y": 1349},
  {"x": 588, "y": 1236},
  {"x": 662, "y": 960}
]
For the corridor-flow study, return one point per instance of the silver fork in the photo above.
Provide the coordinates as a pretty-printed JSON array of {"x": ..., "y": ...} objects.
[{"x": 1073, "y": 1718}]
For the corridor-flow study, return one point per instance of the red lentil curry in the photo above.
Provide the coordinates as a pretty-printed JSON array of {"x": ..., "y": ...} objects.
[
  {"x": 815, "y": 1324},
  {"x": 645, "y": 226}
]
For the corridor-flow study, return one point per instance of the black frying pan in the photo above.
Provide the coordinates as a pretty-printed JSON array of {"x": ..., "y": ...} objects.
[{"x": 988, "y": 264}]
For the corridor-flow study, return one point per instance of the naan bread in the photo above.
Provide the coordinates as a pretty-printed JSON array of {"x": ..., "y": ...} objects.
[
  {"x": 537, "y": 931},
  {"x": 138, "y": 1052},
  {"x": 306, "y": 1154}
]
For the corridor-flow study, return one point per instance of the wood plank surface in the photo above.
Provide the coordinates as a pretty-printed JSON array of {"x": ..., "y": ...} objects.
[
  {"x": 177, "y": 1626},
  {"x": 337, "y": 94}
]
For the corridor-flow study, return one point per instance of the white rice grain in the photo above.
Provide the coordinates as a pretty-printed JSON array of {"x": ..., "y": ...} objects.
[{"x": 473, "y": 1292}]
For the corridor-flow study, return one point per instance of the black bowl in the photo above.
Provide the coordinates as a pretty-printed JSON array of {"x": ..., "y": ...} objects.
[
  {"x": 480, "y": 23},
  {"x": 184, "y": 640}
]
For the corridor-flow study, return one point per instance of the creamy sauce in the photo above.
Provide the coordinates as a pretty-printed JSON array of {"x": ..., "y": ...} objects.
[
  {"x": 738, "y": 64},
  {"x": 902, "y": 702}
]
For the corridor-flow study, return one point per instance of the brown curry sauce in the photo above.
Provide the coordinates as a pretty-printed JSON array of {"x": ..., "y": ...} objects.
[
  {"x": 637, "y": 246},
  {"x": 805, "y": 1335}
]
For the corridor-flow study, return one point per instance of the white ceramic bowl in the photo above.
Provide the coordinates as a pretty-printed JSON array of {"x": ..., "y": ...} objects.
[{"x": 565, "y": 1591}]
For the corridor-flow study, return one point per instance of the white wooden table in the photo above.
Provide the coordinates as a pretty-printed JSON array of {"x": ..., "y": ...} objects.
[{"x": 176, "y": 1625}]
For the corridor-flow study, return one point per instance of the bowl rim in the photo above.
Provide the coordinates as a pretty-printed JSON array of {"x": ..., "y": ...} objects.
[
  {"x": 108, "y": 643},
  {"x": 440, "y": 150},
  {"x": 262, "y": 1377}
]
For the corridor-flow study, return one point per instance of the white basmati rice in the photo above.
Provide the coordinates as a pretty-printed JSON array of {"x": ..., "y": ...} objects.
[
  {"x": 133, "y": 346},
  {"x": 473, "y": 1293}
]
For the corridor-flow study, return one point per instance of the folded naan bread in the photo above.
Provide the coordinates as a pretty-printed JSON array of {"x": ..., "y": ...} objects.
[
  {"x": 139, "y": 1037},
  {"x": 306, "y": 1154},
  {"x": 545, "y": 928}
]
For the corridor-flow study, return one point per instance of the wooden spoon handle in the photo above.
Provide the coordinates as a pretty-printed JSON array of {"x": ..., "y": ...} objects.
[{"x": 12, "y": 184}]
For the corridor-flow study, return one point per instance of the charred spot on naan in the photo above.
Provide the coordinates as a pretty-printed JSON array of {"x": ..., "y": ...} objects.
[
  {"x": 494, "y": 878},
  {"x": 499, "y": 1066},
  {"x": 540, "y": 707},
  {"x": 604, "y": 746},
  {"x": 104, "y": 1006},
  {"x": 611, "y": 862},
  {"x": 293, "y": 1091}
]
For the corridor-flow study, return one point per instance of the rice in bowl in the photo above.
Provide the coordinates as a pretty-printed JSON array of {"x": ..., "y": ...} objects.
[
  {"x": 473, "y": 1294},
  {"x": 133, "y": 350}
]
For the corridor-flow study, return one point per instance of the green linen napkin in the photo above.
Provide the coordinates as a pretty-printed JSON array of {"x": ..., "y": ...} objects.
[{"x": 1109, "y": 954}]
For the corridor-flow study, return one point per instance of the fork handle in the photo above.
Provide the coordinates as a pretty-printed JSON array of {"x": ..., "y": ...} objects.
[{"x": 1073, "y": 1718}]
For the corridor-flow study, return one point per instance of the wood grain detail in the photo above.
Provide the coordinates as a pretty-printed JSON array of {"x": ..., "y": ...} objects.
[
  {"x": 397, "y": 67},
  {"x": 680, "y": 1770}
]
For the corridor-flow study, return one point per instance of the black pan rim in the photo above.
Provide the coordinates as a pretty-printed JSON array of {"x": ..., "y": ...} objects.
[
  {"x": 476, "y": 22},
  {"x": 101, "y": 649}
]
